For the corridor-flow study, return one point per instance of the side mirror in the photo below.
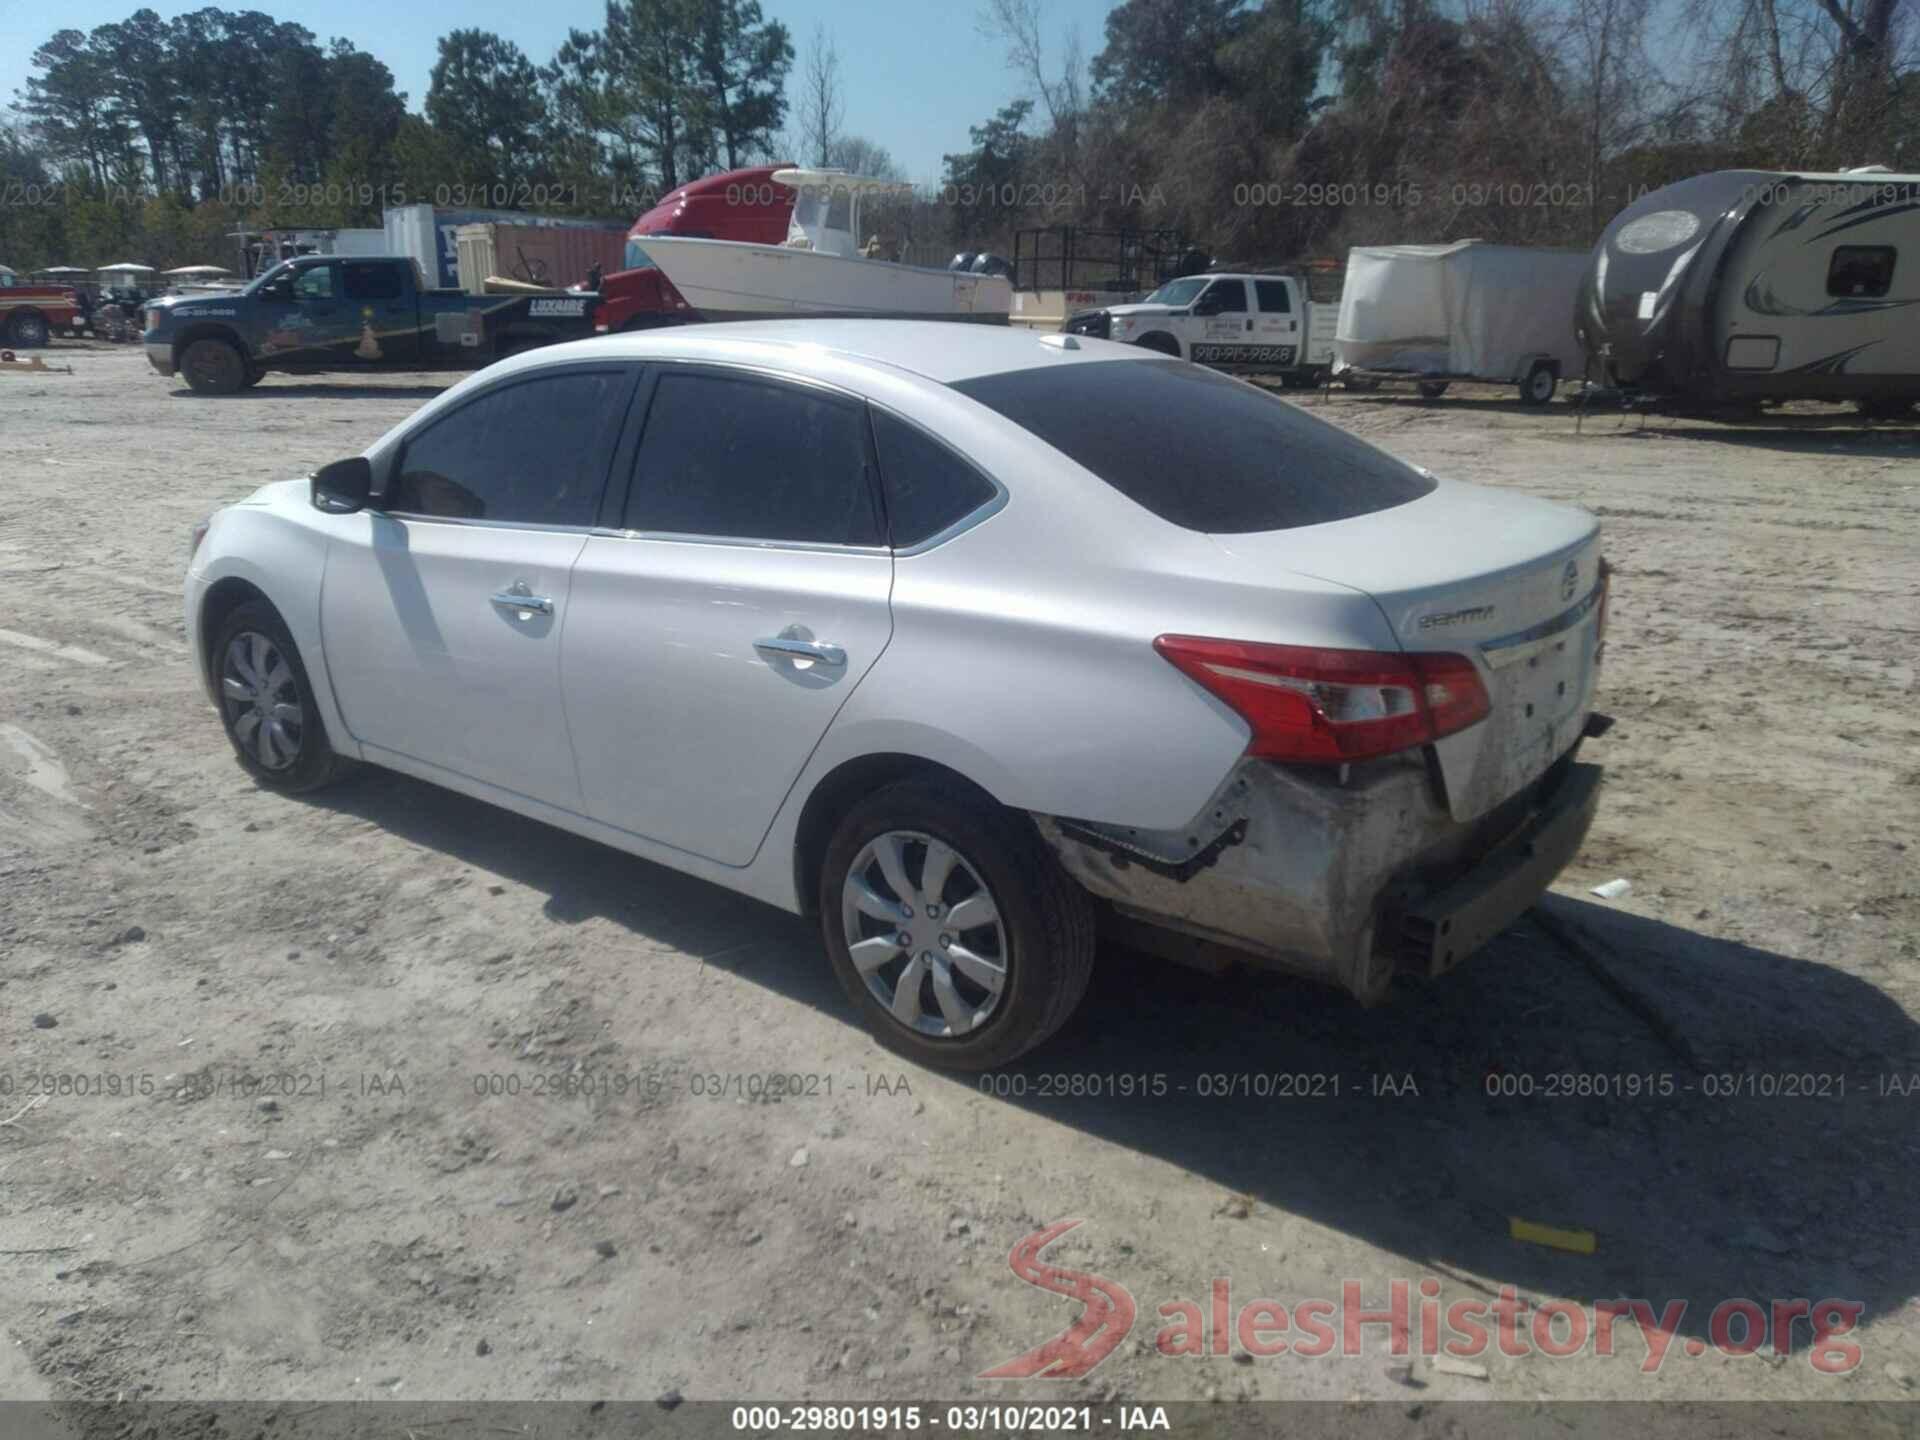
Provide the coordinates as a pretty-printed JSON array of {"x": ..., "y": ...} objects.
[{"x": 343, "y": 487}]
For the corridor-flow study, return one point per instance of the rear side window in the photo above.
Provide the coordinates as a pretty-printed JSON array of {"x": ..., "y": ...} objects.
[
  {"x": 372, "y": 282},
  {"x": 1865, "y": 271},
  {"x": 1198, "y": 449},
  {"x": 749, "y": 459},
  {"x": 1272, "y": 295},
  {"x": 531, "y": 453},
  {"x": 927, "y": 486}
]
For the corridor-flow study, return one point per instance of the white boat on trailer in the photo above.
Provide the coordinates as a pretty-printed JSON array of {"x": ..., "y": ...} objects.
[{"x": 821, "y": 270}]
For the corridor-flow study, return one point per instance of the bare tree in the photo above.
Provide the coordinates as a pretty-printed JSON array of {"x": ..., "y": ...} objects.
[
  {"x": 1017, "y": 24},
  {"x": 822, "y": 107},
  {"x": 1612, "y": 76}
]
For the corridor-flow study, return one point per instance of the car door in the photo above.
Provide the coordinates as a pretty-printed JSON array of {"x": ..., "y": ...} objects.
[
  {"x": 1276, "y": 325},
  {"x": 1221, "y": 325},
  {"x": 315, "y": 328},
  {"x": 712, "y": 640},
  {"x": 381, "y": 304},
  {"x": 442, "y": 610}
]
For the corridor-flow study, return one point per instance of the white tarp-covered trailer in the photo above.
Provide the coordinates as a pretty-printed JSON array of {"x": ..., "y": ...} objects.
[{"x": 1469, "y": 310}]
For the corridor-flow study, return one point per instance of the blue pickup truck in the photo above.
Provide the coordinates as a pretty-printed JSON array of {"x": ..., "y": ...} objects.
[{"x": 332, "y": 312}]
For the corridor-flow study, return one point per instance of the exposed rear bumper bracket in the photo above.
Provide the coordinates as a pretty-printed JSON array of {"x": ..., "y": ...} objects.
[{"x": 1457, "y": 919}]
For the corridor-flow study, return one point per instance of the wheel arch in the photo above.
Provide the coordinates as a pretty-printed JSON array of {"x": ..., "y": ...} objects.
[
  {"x": 211, "y": 330},
  {"x": 223, "y": 597},
  {"x": 843, "y": 787}
]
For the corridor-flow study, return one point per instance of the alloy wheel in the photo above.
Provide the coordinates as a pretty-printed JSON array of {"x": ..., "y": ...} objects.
[
  {"x": 925, "y": 933},
  {"x": 262, "y": 701}
]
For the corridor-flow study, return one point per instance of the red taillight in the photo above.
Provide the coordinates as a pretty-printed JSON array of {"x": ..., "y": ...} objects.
[{"x": 1332, "y": 706}]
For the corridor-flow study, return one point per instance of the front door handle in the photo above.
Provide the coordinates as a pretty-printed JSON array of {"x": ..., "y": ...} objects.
[
  {"x": 519, "y": 599},
  {"x": 798, "y": 649}
]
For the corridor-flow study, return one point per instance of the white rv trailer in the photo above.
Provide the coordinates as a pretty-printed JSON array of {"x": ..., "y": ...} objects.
[{"x": 1747, "y": 285}]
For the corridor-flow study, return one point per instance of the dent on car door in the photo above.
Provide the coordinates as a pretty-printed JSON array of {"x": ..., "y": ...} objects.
[
  {"x": 712, "y": 642},
  {"x": 442, "y": 610}
]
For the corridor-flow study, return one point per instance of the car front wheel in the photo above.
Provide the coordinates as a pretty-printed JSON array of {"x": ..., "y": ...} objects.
[
  {"x": 213, "y": 367},
  {"x": 952, "y": 928},
  {"x": 266, "y": 702},
  {"x": 29, "y": 330}
]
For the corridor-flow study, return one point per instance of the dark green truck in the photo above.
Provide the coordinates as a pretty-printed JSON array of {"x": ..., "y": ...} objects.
[{"x": 342, "y": 313}]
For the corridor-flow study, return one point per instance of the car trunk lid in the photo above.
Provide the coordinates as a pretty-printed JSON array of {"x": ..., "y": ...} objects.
[{"x": 1508, "y": 580}]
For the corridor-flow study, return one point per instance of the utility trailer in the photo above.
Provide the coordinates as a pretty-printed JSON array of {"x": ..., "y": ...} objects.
[
  {"x": 1061, "y": 272},
  {"x": 1431, "y": 315}
]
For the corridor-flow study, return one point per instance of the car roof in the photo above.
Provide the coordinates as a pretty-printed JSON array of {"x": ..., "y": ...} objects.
[{"x": 943, "y": 351}]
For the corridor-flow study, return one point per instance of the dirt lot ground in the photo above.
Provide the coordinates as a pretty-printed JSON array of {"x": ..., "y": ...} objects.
[{"x": 166, "y": 927}]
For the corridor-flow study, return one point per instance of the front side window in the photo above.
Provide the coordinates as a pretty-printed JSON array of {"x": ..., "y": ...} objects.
[
  {"x": 927, "y": 487},
  {"x": 314, "y": 283},
  {"x": 1228, "y": 296},
  {"x": 534, "y": 452},
  {"x": 636, "y": 257},
  {"x": 1177, "y": 292},
  {"x": 372, "y": 282},
  {"x": 1273, "y": 297},
  {"x": 1860, "y": 271},
  {"x": 741, "y": 458},
  {"x": 1198, "y": 449}
]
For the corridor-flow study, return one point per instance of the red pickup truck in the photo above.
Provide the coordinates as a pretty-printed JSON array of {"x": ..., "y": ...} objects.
[
  {"x": 733, "y": 205},
  {"x": 31, "y": 314}
]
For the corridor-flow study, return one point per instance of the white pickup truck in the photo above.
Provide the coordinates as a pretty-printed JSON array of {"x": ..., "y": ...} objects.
[{"x": 1231, "y": 322}]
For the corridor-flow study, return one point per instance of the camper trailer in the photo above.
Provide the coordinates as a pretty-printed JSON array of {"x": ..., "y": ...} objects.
[{"x": 1750, "y": 285}]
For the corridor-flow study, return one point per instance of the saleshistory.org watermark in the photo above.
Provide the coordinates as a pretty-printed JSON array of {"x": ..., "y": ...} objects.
[{"x": 1412, "y": 1321}]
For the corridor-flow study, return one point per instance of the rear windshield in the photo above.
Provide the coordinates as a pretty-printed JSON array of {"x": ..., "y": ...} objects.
[{"x": 1198, "y": 449}]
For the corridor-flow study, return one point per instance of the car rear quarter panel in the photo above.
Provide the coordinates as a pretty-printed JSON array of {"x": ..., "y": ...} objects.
[{"x": 1022, "y": 653}]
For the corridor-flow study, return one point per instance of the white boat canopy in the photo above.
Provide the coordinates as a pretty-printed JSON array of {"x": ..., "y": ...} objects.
[
  {"x": 826, "y": 212},
  {"x": 198, "y": 270},
  {"x": 126, "y": 267}
]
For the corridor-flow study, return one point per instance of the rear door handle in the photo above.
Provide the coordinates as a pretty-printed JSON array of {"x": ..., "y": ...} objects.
[
  {"x": 519, "y": 599},
  {"x": 801, "y": 649}
]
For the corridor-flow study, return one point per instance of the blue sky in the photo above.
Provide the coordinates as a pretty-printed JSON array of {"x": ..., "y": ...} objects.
[{"x": 917, "y": 72}]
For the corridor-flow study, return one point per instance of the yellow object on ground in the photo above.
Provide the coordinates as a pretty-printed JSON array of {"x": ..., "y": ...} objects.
[{"x": 1581, "y": 1242}]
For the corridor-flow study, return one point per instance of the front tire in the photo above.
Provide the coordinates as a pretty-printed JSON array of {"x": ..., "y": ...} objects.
[
  {"x": 1160, "y": 343},
  {"x": 29, "y": 330},
  {"x": 266, "y": 702},
  {"x": 952, "y": 928},
  {"x": 1432, "y": 389},
  {"x": 213, "y": 367}
]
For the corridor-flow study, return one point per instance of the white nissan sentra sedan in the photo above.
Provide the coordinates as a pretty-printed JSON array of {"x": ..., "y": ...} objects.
[{"x": 971, "y": 642}]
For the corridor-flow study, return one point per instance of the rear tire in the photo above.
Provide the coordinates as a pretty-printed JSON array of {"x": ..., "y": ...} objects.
[
  {"x": 1538, "y": 387},
  {"x": 1019, "y": 916},
  {"x": 254, "y": 376},
  {"x": 29, "y": 330},
  {"x": 266, "y": 702},
  {"x": 1360, "y": 385},
  {"x": 213, "y": 367},
  {"x": 1433, "y": 389}
]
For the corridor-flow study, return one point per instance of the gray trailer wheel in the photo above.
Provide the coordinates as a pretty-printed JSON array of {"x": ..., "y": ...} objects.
[{"x": 1541, "y": 382}]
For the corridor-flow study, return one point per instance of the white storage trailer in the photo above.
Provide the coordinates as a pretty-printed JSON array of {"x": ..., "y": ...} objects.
[{"x": 1433, "y": 314}]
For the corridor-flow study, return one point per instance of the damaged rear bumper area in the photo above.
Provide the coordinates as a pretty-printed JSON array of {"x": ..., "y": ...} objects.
[{"x": 1346, "y": 882}]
